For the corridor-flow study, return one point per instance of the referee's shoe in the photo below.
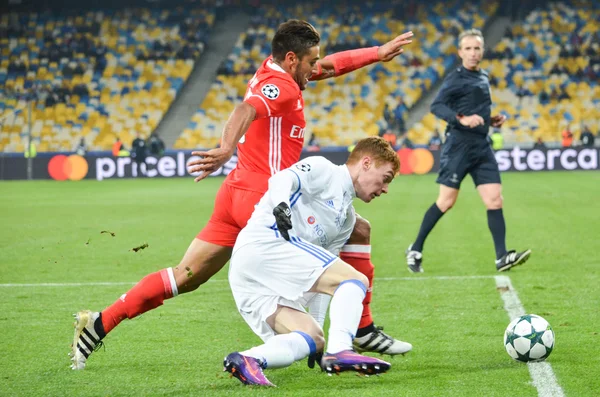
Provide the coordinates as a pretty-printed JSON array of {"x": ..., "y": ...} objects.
[
  {"x": 512, "y": 259},
  {"x": 413, "y": 260}
]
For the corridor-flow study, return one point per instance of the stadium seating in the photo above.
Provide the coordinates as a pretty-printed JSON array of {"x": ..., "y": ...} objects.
[
  {"x": 106, "y": 74},
  {"x": 342, "y": 110},
  {"x": 545, "y": 75},
  {"x": 99, "y": 75}
]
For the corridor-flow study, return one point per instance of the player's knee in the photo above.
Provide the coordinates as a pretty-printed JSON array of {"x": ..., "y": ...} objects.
[
  {"x": 319, "y": 338},
  {"x": 445, "y": 203},
  {"x": 362, "y": 279},
  {"x": 315, "y": 333},
  {"x": 361, "y": 233},
  {"x": 494, "y": 202}
]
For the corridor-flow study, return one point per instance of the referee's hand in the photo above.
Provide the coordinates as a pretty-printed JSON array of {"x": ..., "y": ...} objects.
[
  {"x": 283, "y": 219},
  {"x": 471, "y": 121},
  {"x": 498, "y": 120}
]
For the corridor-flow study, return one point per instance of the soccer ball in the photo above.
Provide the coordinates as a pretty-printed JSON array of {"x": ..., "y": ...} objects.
[{"x": 529, "y": 338}]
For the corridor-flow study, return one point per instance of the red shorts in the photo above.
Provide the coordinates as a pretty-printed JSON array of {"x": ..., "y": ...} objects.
[{"x": 233, "y": 208}]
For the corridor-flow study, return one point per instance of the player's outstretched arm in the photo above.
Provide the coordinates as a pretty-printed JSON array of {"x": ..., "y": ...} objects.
[
  {"x": 347, "y": 61},
  {"x": 237, "y": 125}
]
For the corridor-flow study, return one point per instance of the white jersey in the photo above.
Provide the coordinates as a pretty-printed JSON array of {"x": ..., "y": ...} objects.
[
  {"x": 319, "y": 194},
  {"x": 266, "y": 271}
]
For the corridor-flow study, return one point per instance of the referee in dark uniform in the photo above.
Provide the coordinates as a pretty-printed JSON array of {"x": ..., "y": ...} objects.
[{"x": 464, "y": 101}]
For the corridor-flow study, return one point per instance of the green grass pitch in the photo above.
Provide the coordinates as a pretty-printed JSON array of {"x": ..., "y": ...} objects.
[{"x": 51, "y": 233}]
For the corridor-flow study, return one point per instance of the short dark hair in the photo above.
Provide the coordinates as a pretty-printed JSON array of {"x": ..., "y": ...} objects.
[{"x": 296, "y": 36}]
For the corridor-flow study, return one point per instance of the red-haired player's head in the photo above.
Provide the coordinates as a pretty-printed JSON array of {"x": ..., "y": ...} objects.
[
  {"x": 295, "y": 47},
  {"x": 373, "y": 164}
]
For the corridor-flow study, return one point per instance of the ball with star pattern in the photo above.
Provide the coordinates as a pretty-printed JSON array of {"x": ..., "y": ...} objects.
[{"x": 529, "y": 338}]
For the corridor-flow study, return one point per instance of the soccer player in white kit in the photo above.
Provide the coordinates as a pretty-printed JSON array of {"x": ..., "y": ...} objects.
[{"x": 288, "y": 253}]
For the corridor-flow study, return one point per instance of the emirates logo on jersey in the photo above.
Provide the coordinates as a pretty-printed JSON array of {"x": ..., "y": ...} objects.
[{"x": 271, "y": 91}]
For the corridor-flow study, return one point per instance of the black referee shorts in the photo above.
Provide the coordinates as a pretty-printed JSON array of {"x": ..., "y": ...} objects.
[{"x": 462, "y": 155}]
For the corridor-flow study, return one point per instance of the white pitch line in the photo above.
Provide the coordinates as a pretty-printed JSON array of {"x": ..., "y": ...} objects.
[
  {"x": 541, "y": 373},
  {"x": 65, "y": 284},
  {"x": 110, "y": 284},
  {"x": 426, "y": 278}
]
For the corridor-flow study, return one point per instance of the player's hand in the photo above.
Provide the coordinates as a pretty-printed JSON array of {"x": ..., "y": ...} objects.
[
  {"x": 283, "y": 218},
  {"x": 498, "y": 120},
  {"x": 393, "y": 48},
  {"x": 211, "y": 161},
  {"x": 315, "y": 358},
  {"x": 471, "y": 121}
]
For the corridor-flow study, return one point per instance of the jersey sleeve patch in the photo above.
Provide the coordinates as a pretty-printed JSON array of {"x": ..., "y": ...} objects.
[
  {"x": 270, "y": 91},
  {"x": 304, "y": 167}
]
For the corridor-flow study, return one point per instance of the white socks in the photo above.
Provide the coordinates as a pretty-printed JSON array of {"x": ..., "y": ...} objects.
[
  {"x": 283, "y": 350},
  {"x": 317, "y": 307},
  {"x": 345, "y": 311},
  {"x": 344, "y": 314}
]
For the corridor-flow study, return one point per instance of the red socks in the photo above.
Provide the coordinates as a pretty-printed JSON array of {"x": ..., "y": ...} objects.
[
  {"x": 359, "y": 257},
  {"x": 146, "y": 295}
]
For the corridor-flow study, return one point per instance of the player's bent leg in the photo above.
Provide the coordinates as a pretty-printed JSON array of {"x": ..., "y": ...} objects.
[
  {"x": 286, "y": 320},
  {"x": 414, "y": 253},
  {"x": 92, "y": 327},
  {"x": 357, "y": 253},
  {"x": 297, "y": 336},
  {"x": 201, "y": 261},
  {"x": 491, "y": 195},
  {"x": 446, "y": 198},
  {"x": 317, "y": 307},
  {"x": 348, "y": 287},
  {"x": 336, "y": 273}
]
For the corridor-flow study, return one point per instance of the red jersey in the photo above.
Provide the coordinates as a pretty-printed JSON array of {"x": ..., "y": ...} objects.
[{"x": 275, "y": 138}]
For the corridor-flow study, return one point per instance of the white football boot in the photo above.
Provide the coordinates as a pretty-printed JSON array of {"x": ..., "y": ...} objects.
[
  {"x": 86, "y": 339},
  {"x": 380, "y": 342}
]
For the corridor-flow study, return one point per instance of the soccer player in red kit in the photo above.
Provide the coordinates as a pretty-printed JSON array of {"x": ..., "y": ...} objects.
[{"x": 268, "y": 130}]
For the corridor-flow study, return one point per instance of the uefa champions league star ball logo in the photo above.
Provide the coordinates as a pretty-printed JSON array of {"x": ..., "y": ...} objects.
[
  {"x": 271, "y": 91},
  {"x": 303, "y": 167}
]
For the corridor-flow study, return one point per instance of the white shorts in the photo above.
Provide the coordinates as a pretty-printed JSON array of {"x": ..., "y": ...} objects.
[{"x": 270, "y": 272}]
